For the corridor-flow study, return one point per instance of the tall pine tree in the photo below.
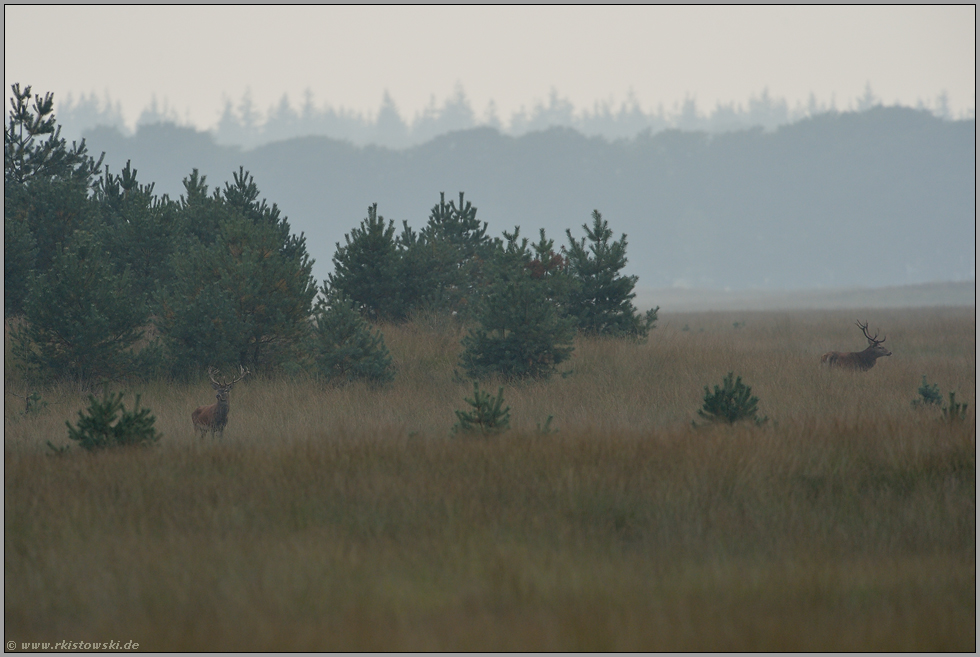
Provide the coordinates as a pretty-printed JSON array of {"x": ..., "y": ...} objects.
[
  {"x": 46, "y": 186},
  {"x": 366, "y": 269},
  {"x": 242, "y": 294},
  {"x": 601, "y": 299}
]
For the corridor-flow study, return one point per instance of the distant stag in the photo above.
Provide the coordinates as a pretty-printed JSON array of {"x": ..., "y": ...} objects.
[
  {"x": 858, "y": 360},
  {"x": 213, "y": 418}
]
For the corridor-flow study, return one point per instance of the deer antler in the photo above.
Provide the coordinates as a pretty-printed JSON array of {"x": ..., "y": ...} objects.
[
  {"x": 864, "y": 329},
  {"x": 244, "y": 372},
  {"x": 212, "y": 371}
]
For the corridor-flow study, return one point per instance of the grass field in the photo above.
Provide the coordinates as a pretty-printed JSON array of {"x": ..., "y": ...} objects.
[{"x": 348, "y": 519}]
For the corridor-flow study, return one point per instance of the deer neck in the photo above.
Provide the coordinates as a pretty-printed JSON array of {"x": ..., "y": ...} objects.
[
  {"x": 868, "y": 357},
  {"x": 221, "y": 411}
]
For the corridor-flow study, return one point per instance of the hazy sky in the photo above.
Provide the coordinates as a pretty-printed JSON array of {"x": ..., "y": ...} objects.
[{"x": 195, "y": 57}]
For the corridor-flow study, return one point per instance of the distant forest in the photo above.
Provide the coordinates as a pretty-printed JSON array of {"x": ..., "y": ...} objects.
[
  {"x": 879, "y": 197},
  {"x": 245, "y": 124}
]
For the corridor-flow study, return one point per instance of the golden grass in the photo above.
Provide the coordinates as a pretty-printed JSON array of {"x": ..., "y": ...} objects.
[{"x": 348, "y": 519}]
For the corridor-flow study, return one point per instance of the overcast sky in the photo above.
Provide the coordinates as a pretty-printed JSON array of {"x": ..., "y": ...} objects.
[{"x": 196, "y": 57}]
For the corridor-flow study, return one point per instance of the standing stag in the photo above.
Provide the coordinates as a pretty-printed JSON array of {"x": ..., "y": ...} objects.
[
  {"x": 858, "y": 360},
  {"x": 213, "y": 418}
]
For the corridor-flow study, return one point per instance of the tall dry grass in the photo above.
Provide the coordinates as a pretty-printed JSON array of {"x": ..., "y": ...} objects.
[{"x": 348, "y": 519}]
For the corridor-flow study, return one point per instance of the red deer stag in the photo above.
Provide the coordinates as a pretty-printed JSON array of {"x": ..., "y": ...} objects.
[
  {"x": 213, "y": 418},
  {"x": 858, "y": 360}
]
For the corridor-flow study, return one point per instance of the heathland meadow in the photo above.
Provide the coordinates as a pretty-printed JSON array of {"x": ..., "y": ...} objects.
[{"x": 348, "y": 518}]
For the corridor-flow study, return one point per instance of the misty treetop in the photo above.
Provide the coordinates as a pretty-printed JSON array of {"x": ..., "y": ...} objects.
[{"x": 246, "y": 125}]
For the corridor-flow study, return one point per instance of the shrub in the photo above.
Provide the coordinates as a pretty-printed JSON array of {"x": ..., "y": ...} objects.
[
  {"x": 732, "y": 402},
  {"x": 343, "y": 347},
  {"x": 486, "y": 418},
  {"x": 99, "y": 429},
  {"x": 928, "y": 395}
]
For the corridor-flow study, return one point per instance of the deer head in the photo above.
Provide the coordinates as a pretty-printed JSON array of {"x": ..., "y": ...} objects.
[
  {"x": 221, "y": 387},
  {"x": 874, "y": 344}
]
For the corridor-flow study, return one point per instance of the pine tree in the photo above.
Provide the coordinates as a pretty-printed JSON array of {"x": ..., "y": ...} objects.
[
  {"x": 601, "y": 299},
  {"x": 732, "y": 402},
  {"x": 45, "y": 192},
  {"x": 522, "y": 332},
  {"x": 343, "y": 347},
  {"x": 83, "y": 318},
  {"x": 486, "y": 418},
  {"x": 241, "y": 296},
  {"x": 139, "y": 229},
  {"x": 108, "y": 424},
  {"x": 366, "y": 268},
  {"x": 442, "y": 266}
]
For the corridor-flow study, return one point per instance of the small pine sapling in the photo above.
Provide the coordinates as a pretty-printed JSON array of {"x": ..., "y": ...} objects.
[
  {"x": 486, "y": 418},
  {"x": 929, "y": 395},
  {"x": 732, "y": 402},
  {"x": 954, "y": 411},
  {"x": 99, "y": 428}
]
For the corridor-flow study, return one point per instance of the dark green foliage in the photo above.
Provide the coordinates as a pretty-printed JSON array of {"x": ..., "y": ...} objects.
[
  {"x": 522, "y": 332},
  {"x": 240, "y": 295},
  {"x": 343, "y": 347},
  {"x": 198, "y": 212},
  {"x": 549, "y": 267},
  {"x": 28, "y": 159},
  {"x": 19, "y": 253},
  {"x": 732, "y": 402},
  {"x": 442, "y": 266},
  {"x": 438, "y": 269},
  {"x": 458, "y": 226},
  {"x": 99, "y": 428},
  {"x": 601, "y": 299},
  {"x": 366, "y": 269},
  {"x": 426, "y": 271},
  {"x": 486, "y": 418},
  {"x": 929, "y": 395},
  {"x": 82, "y": 318},
  {"x": 46, "y": 185},
  {"x": 955, "y": 411},
  {"x": 138, "y": 229}
]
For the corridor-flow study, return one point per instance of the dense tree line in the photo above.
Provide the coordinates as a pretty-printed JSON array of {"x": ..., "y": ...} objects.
[
  {"x": 97, "y": 265},
  {"x": 110, "y": 280}
]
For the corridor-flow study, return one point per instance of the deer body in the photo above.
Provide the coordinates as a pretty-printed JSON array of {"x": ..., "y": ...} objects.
[
  {"x": 213, "y": 418},
  {"x": 858, "y": 360}
]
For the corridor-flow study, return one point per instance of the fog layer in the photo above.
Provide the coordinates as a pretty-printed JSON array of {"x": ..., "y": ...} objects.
[{"x": 881, "y": 197}]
